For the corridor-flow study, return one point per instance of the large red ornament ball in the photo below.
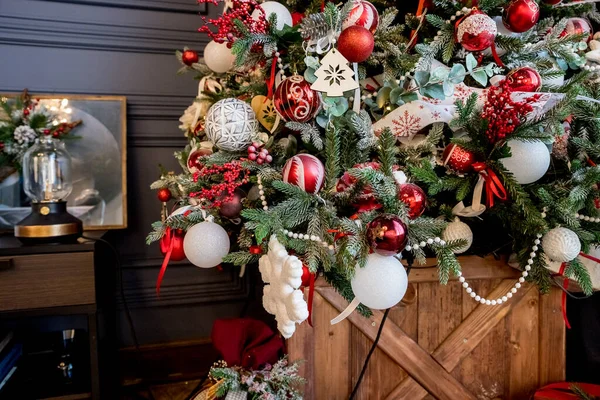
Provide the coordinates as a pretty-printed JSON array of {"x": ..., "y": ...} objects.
[
  {"x": 232, "y": 207},
  {"x": 173, "y": 237},
  {"x": 414, "y": 197},
  {"x": 458, "y": 159},
  {"x": 356, "y": 43},
  {"x": 305, "y": 171},
  {"x": 367, "y": 200},
  {"x": 194, "y": 163},
  {"x": 578, "y": 26},
  {"x": 363, "y": 14},
  {"x": 164, "y": 195},
  {"x": 521, "y": 15},
  {"x": 295, "y": 101},
  {"x": 297, "y": 17},
  {"x": 189, "y": 57},
  {"x": 476, "y": 32},
  {"x": 387, "y": 235},
  {"x": 306, "y": 276},
  {"x": 524, "y": 79}
]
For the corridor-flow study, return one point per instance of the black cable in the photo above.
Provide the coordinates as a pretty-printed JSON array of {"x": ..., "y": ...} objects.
[
  {"x": 125, "y": 305},
  {"x": 375, "y": 343}
]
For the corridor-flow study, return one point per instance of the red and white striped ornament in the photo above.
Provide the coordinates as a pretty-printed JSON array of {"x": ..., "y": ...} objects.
[
  {"x": 305, "y": 171},
  {"x": 362, "y": 14}
]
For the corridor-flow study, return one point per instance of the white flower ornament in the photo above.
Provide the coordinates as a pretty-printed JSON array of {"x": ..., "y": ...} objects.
[{"x": 281, "y": 297}]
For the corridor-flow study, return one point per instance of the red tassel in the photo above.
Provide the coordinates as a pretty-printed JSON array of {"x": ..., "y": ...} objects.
[
  {"x": 271, "y": 82},
  {"x": 496, "y": 56},
  {"x": 563, "y": 266},
  {"x": 165, "y": 263},
  {"x": 311, "y": 294}
]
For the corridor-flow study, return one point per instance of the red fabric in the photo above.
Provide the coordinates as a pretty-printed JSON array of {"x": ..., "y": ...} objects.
[
  {"x": 246, "y": 342},
  {"x": 561, "y": 272},
  {"x": 562, "y": 391}
]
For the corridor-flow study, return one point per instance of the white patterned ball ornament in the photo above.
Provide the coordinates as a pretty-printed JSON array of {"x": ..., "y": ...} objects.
[
  {"x": 457, "y": 230},
  {"x": 381, "y": 284},
  {"x": 529, "y": 161},
  {"x": 561, "y": 244},
  {"x": 231, "y": 125}
]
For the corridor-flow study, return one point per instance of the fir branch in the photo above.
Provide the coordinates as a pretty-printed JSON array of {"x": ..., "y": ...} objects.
[
  {"x": 387, "y": 151},
  {"x": 575, "y": 269}
]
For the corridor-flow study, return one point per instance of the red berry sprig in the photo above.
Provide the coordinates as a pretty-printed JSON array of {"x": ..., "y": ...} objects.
[
  {"x": 258, "y": 153},
  {"x": 226, "y": 29},
  {"x": 233, "y": 176},
  {"x": 502, "y": 113}
]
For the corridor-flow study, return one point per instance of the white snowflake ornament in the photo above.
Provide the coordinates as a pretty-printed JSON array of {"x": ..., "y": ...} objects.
[
  {"x": 281, "y": 295},
  {"x": 334, "y": 76}
]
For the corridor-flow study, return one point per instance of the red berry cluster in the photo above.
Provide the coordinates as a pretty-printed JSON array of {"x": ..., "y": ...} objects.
[
  {"x": 61, "y": 129},
  {"x": 258, "y": 153},
  {"x": 29, "y": 106},
  {"x": 226, "y": 30},
  {"x": 502, "y": 113},
  {"x": 233, "y": 176}
]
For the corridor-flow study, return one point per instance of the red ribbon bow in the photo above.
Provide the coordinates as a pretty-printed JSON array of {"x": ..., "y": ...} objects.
[{"x": 493, "y": 185}]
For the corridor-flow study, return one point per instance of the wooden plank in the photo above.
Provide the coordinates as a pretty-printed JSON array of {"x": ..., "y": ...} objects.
[
  {"x": 461, "y": 342},
  {"x": 552, "y": 339},
  {"x": 301, "y": 347},
  {"x": 332, "y": 348},
  {"x": 440, "y": 312},
  {"x": 405, "y": 352},
  {"x": 523, "y": 332}
]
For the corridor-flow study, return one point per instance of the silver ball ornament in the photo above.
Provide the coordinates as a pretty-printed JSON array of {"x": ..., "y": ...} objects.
[
  {"x": 561, "y": 244},
  {"x": 457, "y": 230},
  {"x": 231, "y": 125}
]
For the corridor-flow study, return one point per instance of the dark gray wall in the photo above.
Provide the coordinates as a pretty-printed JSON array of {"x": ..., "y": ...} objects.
[{"x": 126, "y": 47}]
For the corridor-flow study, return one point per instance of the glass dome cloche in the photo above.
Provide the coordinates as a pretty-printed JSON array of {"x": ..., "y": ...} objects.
[{"x": 47, "y": 182}]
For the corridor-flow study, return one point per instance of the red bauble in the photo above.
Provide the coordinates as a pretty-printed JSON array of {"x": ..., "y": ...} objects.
[
  {"x": 524, "y": 79},
  {"x": 414, "y": 197},
  {"x": 476, "y": 32},
  {"x": 193, "y": 162},
  {"x": 366, "y": 201},
  {"x": 552, "y": 2},
  {"x": 305, "y": 171},
  {"x": 356, "y": 43},
  {"x": 577, "y": 26},
  {"x": 295, "y": 101},
  {"x": 255, "y": 249},
  {"x": 387, "y": 235},
  {"x": 458, "y": 159},
  {"x": 521, "y": 15},
  {"x": 164, "y": 195},
  {"x": 233, "y": 207},
  {"x": 363, "y": 14},
  {"x": 189, "y": 57},
  {"x": 297, "y": 17},
  {"x": 174, "y": 237},
  {"x": 306, "y": 276}
]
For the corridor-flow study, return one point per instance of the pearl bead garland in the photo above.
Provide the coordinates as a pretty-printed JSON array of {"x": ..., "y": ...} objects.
[
  {"x": 280, "y": 65},
  {"x": 586, "y": 218}
]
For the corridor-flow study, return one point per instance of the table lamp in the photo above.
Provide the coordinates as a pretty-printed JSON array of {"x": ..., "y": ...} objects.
[{"x": 47, "y": 182}]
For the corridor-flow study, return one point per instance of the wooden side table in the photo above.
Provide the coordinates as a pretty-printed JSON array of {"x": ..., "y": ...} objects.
[{"x": 51, "y": 280}]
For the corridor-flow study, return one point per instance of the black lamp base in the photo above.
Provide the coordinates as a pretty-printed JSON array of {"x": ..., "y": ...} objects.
[{"x": 49, "y": 223}]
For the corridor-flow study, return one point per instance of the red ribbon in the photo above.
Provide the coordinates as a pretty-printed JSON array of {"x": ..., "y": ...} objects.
[
  {"x": 561, "y": 272},
  {"x": 493, "y": 185},
  {"x": 496, "y": 56},
  {"x": 562, "y": 391},
  {"x": 271, "y": 81},
  {"x": 311, "y": 294},
  {"x": 165, "y": 263}
]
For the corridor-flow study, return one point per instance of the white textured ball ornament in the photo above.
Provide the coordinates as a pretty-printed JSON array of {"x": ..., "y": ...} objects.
[
  {"x": 381, "y": 284},
  {"x": 284, "y": 17},
  {"x": 561, "y": 244},
  {"x": 205, "y": 244},
  {"x": 231, "y": 125},
  {"x": 529, "y": 161},
  {"x": 457, "y": 230},
  {"x": 218, "y": 57}
]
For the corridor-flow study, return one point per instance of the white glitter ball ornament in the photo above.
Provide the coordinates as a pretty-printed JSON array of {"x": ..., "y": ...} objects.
[
  {"x": 529, "y": 161},
  {"x": 282, "y": 274},
  {"x": 218, "y": 57},
  {"x": 561, "y": 244},
  {"x": 205, "y": 244},
  {"x": 457, "y": 230},
  {"x": 284, "y": 17},
  {"x": 231, "y": 125},
  {"x": 381, "y": 284}
]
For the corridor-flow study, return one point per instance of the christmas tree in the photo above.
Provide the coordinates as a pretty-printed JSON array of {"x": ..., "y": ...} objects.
[{"x": 475, "y": 130}]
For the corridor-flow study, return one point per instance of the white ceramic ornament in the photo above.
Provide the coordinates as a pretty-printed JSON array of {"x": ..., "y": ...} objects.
[
  {"x": 561, "y": 244},
  {"x": 381, "y": 284},
  {"x": 529, "y": 161},
  {"x": 205, "y": 244},
  {"x": 231, "y": 125},
  {"x": 282, "y": 274},
  {"x": 458, "y": 230},
  {"x": 218, "y": 57},
  {"x": 334, "y": 76},
  {"x": 284, "y": 17}
]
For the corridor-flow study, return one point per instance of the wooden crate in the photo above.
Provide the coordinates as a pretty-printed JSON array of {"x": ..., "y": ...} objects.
[{"x": 438, "y": 343}]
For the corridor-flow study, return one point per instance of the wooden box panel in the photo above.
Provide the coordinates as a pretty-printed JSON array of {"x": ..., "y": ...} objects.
[
  {"x": 46, "y": 280},
  {"x": 438, "y": 343}
]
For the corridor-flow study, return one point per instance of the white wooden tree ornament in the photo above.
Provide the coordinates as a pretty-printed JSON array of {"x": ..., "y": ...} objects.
[
  {"x": 334, "y": 76},
  {"x": 281, "y": 296}
]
